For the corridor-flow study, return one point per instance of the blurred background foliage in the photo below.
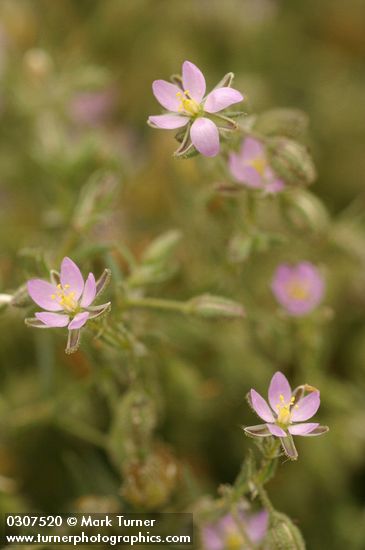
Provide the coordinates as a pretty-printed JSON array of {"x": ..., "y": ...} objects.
[{"x": 75, "y": 94}]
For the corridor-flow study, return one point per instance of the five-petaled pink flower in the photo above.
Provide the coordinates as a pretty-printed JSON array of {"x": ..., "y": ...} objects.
[
  {"x": 188, "y": 106},
  {"x": 286, "y": 414},
  {"x": 299, "y": 288},
  {"x": 228, "y": 531},
  {"x": 250, "y": 167},
  {"x": 67, "y": 300}
]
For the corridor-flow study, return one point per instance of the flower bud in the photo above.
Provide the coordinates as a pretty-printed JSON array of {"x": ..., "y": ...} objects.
[
  {"x": 306, "y": 211},
  {"x": 148, "y": 484},
  {"x": 215, "y": 307},
  {"x": 133, "y": 424},
  {"x": 291, "y": 161},
  {"x": 161, "y": 248},
  {"x": 21, "y": 297},
  {"x": 95, "y": 197},
  {"x": 152, "y": 273},
  {"x": 291, "y": 123},
  {"x": 283, "y": 534}
]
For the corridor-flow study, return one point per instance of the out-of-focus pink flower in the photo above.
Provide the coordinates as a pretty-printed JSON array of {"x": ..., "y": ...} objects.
[
  {"x": 299, "y": 288},
  {"x": 230, "y": 532},
  {"x": 189, "y": 106},
  {"x": 287, "y": 413},
  {"x": 250, "y": 167},
  {"x": 67, "y": 300},
  {"x": 92, "y": 108}
]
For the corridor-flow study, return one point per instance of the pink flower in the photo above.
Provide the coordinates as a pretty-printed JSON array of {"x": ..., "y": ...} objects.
[
  {"x": 92, "y": 107},
  {"x": 286, "y": 414},
  {"x": 189, "y": 106},
  {"x": 67, "y": 300},
  {"x": 250, "y": 167},
  {"x": 299, "y": 289},
  {"x": 227, "y": 531}
]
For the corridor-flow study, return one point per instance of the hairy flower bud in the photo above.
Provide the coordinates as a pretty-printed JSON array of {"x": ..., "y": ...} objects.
[
  {"x": 291, "y": 161},
  {"x": 306, "y": 211},
  {"x": 94, "y": 199},
  {"x": 148, "y": 484},
  {"x": 161, "y": 248},
  {"x": 134, "y": 421},
  {"x": 157, "y": 264},
  {"x": 215, "y": 307},
  {"x": 283, "y": 534},
  {"x": 21, "y": 297},
  {"x": 291, "y": 123}
]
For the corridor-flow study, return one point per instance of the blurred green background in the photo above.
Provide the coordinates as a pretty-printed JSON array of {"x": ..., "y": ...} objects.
[{"x": 75, "y": 95}]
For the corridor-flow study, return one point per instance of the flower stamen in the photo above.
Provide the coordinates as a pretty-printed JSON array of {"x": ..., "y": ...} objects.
[{"x": 188, "y": 104}]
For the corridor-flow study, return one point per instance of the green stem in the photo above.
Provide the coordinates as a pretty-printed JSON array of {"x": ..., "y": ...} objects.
[
  {"x": 83, "y": 431},
  {"x": 265, "y": 501},
  {"x": 156, "y": 303},
  {"x": 265, "y": 472}
]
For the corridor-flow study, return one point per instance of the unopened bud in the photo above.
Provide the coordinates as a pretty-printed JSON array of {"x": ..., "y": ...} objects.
[
  {"x": 134, "y": 420},
  {"x": 305, "y": 210},
  {"x": 291, "y": 123},
  {"x": 283, "y": 534},
  {"x": 149, "y": 484},
  {"x": 161, "y": 248},
  {"x": 215, "y": 307},
  {"x": 95, "y": 196},
  {"x": 291, "y": 161},
  {"x": 152, "y": 273},
  {"x": 21, "y": 297}
]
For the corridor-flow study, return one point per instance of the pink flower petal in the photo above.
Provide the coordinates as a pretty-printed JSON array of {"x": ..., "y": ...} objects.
[
  {"x": 79, "y": 320},
  {"x": 279, "y": 386},
  {"x": 256, "y": 525},
  {"x": 89, "y": 291},
  {"x": 71, "y": 275},
  {"x": 319, "y": 430},
  {"x": 166, "y": 94},
  {"x": 221, "y": 98},
  {"x": 168, "y": 122},
  {"x": 251, "y": 149},
  {"x": 306, "y": 407},
  {"x": 211, "y": 538},
  {"x": 41, "y": 292},
  {"x": 276, "y": 430},
  {"x": 303, "y": 429},
  {"x": 205, "y": 137},
  {"x": 275, "y": 186},
  {"x": 244, "y": 173},
  {"x": 53, "y": 319},
  {"x": 305, "y": 276},
  {"x": 261, "y": 407},
  {"x": 193, "y": 81}
]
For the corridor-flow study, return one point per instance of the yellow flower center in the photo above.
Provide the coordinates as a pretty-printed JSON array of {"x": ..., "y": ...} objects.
[
  {"x": 65, "y": 298},
  {"x": 233, "y": 541},
  {"x": 284, "y": 414},
  {"x": 298, "y": 290},
  {"x": 188, "y": 104},
  {"x": 259, "y": 164}
]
